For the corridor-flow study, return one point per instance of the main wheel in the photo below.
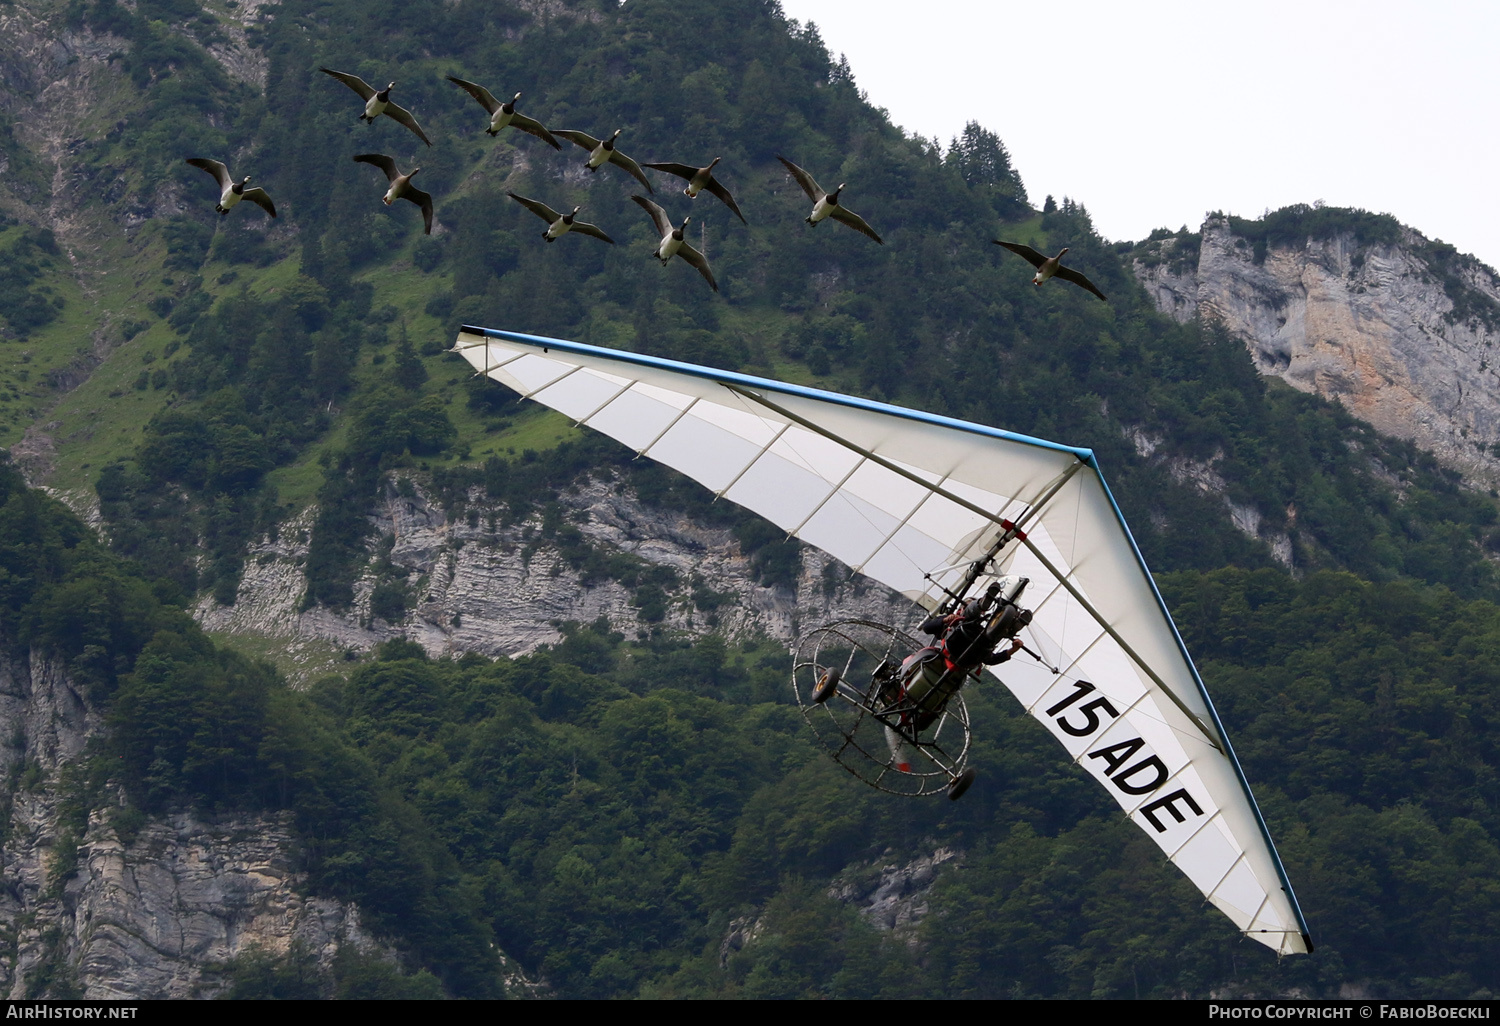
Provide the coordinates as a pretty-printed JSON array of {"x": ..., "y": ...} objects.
[
  {"x": 827, "y": 685},
  {"x": 846, "y": 676},
  {"x": 960, "y": 784}
]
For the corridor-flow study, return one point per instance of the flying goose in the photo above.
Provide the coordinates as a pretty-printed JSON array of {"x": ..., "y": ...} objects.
[
  {"x": 502, "y": 114},
  {"x": 378, "y": 102},
  {"x": 672, "y": 242},
  {"x": 602, "y": 150},
  {"x": 698, "y": 179},
  {"x": 401, "y": 187},
  {"x": 559, "y": 225},
  {"x": 230, "y": 191},
  {"x": 826, "y": 204},
  {"x": 1050, "y": 267}
]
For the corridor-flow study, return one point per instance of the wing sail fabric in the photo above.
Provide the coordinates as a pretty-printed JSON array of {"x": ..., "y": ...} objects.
[{"x": 909, "y": 499}]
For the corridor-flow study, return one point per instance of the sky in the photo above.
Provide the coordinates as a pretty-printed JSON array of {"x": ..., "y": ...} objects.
[{"x": 1155, "y": 112}]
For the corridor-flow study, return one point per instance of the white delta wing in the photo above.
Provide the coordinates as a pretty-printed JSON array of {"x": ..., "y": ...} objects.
[{"x": 910, "y": 499}]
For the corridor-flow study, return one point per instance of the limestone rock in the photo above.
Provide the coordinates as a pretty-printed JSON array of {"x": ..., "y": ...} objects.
[
  {"x": 893, "y": 895},
  {"x": 160, "y": 918},
  {"x": 499, "y": 590},
  {"x": 156, "y": 918},
  {"x": 1369, "y": 326},
  {"x": 234, "y": 52},
  {"x": 743, "y": 931}
]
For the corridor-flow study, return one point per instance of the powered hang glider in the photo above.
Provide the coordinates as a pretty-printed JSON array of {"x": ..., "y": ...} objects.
[{"x": 918, "y": 502}]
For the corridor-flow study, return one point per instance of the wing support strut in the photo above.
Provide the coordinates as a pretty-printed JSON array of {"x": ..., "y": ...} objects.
[
  {"x": 1052, "y": 489},
  {"x": 1011, "y": 530}
]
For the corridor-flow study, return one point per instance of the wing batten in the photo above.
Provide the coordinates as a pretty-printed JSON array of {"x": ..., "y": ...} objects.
[
  {"x": 646, "y": 451},
  {"x": 1202, "y": 827},
  {"x": 488, "y": 367},
  {"x": 911, "y": 500},
  {"x": 904, "y": 521},
  {"x": 824, "y": 501},
  {"x": 866, "y": 453},
  {"x": 1258, "y": 910},
  {"x": 1068, "y": 669},
  {"x": 590, "y": 416},
  {"x": 543, "y": 387},
  {"x": 754, "y": 460},
  {"x": 1088, "y": 607},
  {"x": 1302, "y": 932},
  {"x": 1213, "y": 892}
]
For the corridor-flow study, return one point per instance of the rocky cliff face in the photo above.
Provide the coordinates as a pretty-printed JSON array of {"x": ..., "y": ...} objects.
[
  {"x": 500, "y": 591},
  {"x": 157, "y": 909},
  {"x": 1374, "y": 327},
  {"x": 891, "y": 896},
  {"x": 54, "y": 81},
  {"x": 143, "y": 909},
  {"x": 62, "y": 85}
]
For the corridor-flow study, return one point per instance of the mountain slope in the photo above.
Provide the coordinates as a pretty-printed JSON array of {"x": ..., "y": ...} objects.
[
  {"x": 1211, "y": 466},
  {"x": 285, "y": 433}
]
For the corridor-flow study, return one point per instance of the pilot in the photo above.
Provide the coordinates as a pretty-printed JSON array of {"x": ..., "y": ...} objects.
[
  {"x": 929, "y": 677},
  {"x": 962, "y": 633}
]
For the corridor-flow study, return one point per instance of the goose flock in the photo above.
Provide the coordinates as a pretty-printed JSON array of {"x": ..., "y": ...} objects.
[{"x": 377, "y": 103}]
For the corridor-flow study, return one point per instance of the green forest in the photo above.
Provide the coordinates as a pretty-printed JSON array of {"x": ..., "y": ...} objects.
[
  {"x": 603, "y": 811},
  {"x": 609, "y": 810}
]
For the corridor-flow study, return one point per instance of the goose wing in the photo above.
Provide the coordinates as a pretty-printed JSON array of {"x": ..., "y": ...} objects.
[
  {"x": 403, "y": 115},
  {"x": 658, "y": 215},
  {"x": 213, "y": 167},
  {"x": 352, "y": 81},
  {"x": 534, "y": 127},
  {"x": 713, "y": 185},
  {"x": 814, "y": 191},
  {"x": 381, "y": 161},
  {"x": 1068, "y": 274},
  {"x": 592, "y": 229},
  {"x": 717, "y": 188},
  {"x": 423, "y": 200},
  {"x": 844, "y": 215},
  {"x": 680, "y": 170},
  {"x": 699, "y": 261},
  {"x": 541, "y": 210},
  {"x": 484, "y": 96},
  {"x": 616, "y": 157},
  {"x": 260, "y": 199},
  {"x": 1036, "y": 259},
  {"x": 583, "y": 139}
]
